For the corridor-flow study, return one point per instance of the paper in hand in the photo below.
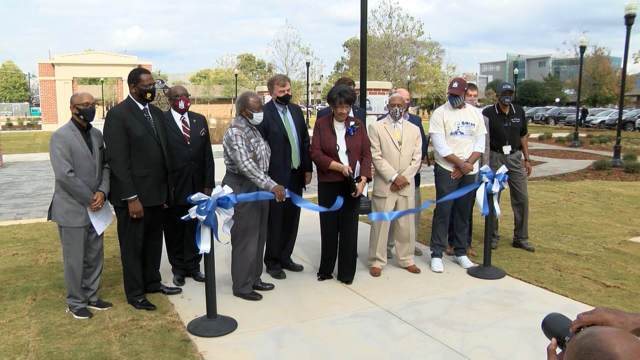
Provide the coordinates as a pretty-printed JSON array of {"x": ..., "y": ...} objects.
[{"x": 102, "y": 218}]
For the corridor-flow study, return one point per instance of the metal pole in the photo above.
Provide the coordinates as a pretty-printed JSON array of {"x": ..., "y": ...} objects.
[
  {"x": 515, "y": 84},
  {"x": 102, "y": 85},
  {"x": 617, "y": 162},
  {"x": 575, "y": 142},
  {"x": 308, "y": 126},
  {"x": 486, "y": 270},
  {"x": 363, "y": 56}
]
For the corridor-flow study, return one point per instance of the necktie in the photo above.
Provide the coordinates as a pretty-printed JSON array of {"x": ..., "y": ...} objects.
[
  {"x": 150, "y": 119},
  {"x": 294, "y": 149},
  {"x": 185, "y": 129},
  {"x": 398, "y": 134}
]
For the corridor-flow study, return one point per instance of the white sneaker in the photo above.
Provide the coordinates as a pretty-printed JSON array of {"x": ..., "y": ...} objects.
[
  {"x": 463, "y": 261},
  {"x": 436, "y": 265}
]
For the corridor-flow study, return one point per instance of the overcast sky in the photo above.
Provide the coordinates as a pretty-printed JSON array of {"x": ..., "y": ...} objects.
[{"x": 185, "y": 36}]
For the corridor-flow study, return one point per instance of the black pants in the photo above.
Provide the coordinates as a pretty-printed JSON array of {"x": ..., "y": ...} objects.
[
  {"x": 452, "y": 233},
  {"x": 460, "y": 208},
  {"x": 140, "y": 251},
  {"x": 338, "y": 230},
  {"x": 180, "y": 240},
  {"x": 282, "y": 228}
]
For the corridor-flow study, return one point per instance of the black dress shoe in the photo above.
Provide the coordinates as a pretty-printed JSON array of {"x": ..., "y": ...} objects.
[
  {"x": 197, "y": 276},
  {"x": 252, "y": 296},
  {"x": 323, "y": 277},
  {"x": 143, "y": 304},
  {"x": 523, "y": 246},
  {"x": 293, "y": 267},
  {"x": 167, "y": 290},
  {"x": 263, "y": 286},
  {"x": 494, "y": 245},
  {"x": 277, "y": 274},
  {"x": 178, "y": 280}
]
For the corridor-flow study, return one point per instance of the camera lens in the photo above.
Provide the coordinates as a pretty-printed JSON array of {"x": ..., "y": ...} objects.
[{"x": 557, "y": 326}]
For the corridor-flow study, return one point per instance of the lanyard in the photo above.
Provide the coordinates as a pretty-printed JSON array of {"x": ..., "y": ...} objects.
[{"x": 504, "y": 125}]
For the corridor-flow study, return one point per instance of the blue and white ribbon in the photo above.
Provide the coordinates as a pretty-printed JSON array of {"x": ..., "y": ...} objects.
[
  {"x": 492, "y": 184},
  {"x": 498, "y": 183},
  {"x": 222, "y": 201}
]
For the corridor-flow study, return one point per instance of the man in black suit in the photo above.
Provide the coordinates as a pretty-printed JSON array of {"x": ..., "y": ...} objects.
[
  {"x": 193, "y": 171},
  {"x": 356, "y": 111},
  {"x": 141, "y": 184},
  {"x": 284, "y": 129}
]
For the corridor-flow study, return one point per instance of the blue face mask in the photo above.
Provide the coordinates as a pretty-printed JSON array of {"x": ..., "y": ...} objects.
[{"x": 456, "y": 101}]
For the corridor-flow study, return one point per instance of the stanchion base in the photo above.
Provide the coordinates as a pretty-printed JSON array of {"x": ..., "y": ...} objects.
[
  {"x": 486, "y": 272},
  {"x": 218, "y": 326}
]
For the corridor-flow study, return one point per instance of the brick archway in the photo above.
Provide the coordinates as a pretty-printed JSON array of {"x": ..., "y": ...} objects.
[{"x": 58, "y": 80}]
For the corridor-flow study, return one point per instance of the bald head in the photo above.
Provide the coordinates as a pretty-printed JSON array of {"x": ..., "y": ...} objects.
[
  {"x": 603, "y": 343},
  {"x": 250, "y": 101},
  {"x": 405, "y": 94},
  {"x": 178, "y": 89},
  {"x": 80, "y": 98}
]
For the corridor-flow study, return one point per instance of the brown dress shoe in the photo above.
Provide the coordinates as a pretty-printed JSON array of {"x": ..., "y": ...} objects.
[
  {"x": 471, "y": 252},
  {"x": 413, "y": 269},
  {"x": 449, "y": 251},
  {"x": 375, "y": 272}
]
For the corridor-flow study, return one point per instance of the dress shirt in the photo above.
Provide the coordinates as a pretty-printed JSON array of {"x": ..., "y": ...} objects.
[
  {"x": 340, "y": 141},
  {"x": 177, "y": 116},
  {"x": 293, "y": 126},
  {"x": 84, "y": 131}
]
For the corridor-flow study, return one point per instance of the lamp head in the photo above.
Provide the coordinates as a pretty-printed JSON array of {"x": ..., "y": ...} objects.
[
  {"x": 408, "y": 77},
  {"x": 235, "y": 71},
  {"x": 308, "y": 59},
  {"x": 583, "y": 40},
  {"x": 101, "y": 79},
  {"x": 515, "y": 71},
  {"x": 631, "y": 8}
]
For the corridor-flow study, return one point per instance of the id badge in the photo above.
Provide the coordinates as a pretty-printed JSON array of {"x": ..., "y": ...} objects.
[{"x": 506, "y": 149}]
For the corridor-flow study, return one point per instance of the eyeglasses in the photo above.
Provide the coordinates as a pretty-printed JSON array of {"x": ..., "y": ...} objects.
[
  {"x": 176, "y": 97},
  {"x": 396, "y": 107},
  {"x": 343, "y": 108},
  {"x": 85, "y": 106},
  {"x": 148, "y": 87}
]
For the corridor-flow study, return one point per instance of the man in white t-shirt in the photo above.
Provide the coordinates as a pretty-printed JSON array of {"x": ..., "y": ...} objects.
[{"x": 458, "y": 135}]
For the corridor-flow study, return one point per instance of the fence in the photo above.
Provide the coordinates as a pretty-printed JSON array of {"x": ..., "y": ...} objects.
[{"x": 14, "y": 109}]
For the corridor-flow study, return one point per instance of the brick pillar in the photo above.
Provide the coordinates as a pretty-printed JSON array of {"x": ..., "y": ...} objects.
[
  {"x": 74, "y": 86},
  {"x": 148, "y": 67},
  {"x": 120, "y": 90},
  {"x": 48, "y": 98}
]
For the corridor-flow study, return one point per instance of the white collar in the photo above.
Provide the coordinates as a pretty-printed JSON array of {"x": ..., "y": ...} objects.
[{"x": 142, "y": 107}]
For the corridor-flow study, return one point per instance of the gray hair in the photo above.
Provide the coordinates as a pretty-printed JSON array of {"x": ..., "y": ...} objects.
[
  {"x": 396, "y": 95},
  {"x": 243, "y": 100}
]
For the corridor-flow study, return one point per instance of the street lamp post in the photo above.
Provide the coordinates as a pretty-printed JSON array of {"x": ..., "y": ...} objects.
[
  {"x": 102, "y": 85},
  {"x": 515, "y": 83},
  {"x": 630, "y": 10},
  {"x": 308, "y": 62},
  {"x": 583, "y": 47},
  {"x": 557, "y": 102},
  {"x": 408, "y": 83}
]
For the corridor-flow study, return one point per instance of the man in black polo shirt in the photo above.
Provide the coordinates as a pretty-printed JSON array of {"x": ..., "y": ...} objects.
[{"x": 508, "y": 144}]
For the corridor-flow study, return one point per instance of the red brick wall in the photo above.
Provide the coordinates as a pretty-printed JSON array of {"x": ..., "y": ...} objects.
[
  {"x": 48, "y": 104},
  {"x": 74, "y": 86},
  {"x": 148, "y": 67},
  {"x": 374, "y": 92},
  {"x": 120, "y": 90}
]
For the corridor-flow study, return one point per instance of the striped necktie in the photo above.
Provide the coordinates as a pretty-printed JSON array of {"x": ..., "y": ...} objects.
[
  {"x": 150, "y": 119},
  {"x": 185, "y": 129}
]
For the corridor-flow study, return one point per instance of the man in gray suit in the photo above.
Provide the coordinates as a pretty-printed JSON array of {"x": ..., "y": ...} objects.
[{"x": 82, "y": 181}]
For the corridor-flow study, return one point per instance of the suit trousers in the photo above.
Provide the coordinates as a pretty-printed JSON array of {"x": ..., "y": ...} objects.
[
  {"x": 180, "y": 240},
  {"x": 82, "y": 258},
  {"x": 452, "y": 233},
  {"x": 403, "y": 231},
  {"x": 460, "y": 207},
  {"x": 140, "y": 251},
  {"x": 248, "y": 235},
  {"x": 518, "y": 191},
  {"x": 418, "y": 200},
  {"x": 338, "y": 230},
  {"x": 282, "y": 230}
]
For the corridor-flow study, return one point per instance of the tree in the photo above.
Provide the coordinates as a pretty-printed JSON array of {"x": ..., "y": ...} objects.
[
  {"x": 13, "y": 86},
  {"x": 531, "y": 93},
  {"x": 253, "y": 71},
  {"x": 158, "y": 74},
  {"x": 288, "y": 53},
  {"x": 179, "y": 82},
  {"x": 489, "y": 97},
  {"x": 201, "y": 77},
  {"x": 554, "y": 89},
  {"x": 493, "y": 85}
]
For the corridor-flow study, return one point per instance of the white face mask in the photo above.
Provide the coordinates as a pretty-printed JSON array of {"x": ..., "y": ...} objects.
[{"x": 257, "y": 118}]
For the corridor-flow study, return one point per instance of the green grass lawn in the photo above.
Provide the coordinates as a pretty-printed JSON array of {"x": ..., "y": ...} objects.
[
  {"x": 19, "y": 142},
  {"x": 34, "y": 324}
]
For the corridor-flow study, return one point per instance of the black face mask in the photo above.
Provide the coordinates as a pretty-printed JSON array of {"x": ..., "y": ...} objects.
[
  {"x": 86, "y": 114},
  {"x": 147, "y": 95},
  {"x": 284, "y": 99}
]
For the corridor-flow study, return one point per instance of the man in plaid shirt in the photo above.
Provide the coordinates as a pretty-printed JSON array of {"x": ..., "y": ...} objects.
[{"x": 246, "y": 156}]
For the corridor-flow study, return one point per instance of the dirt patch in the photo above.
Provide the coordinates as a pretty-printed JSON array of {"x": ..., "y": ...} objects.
[
  {"x": 563, "y": 154},
  {"x": 613, "y": 174},
  {"x": 628, "y": 145},
  {"x": 534, "y": 163}
]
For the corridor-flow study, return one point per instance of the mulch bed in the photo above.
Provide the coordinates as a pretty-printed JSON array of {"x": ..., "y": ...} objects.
[
  {"x": 587, "y": 146},
  {"x": 570, "y": 155},
  {"x": 613, "y": 174},
  {"x": 18, "y": 127}
]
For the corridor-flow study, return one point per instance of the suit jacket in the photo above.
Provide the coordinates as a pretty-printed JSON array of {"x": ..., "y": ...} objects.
[
  {"x": 388, "y": 159},
  {"x": 137, "y": 157},
  {"x": 417, "y": 121},
  {"x": 323, "y": 149},
  {"x": 78, "y": 173},
  {"x": 193, "y": 167},
  {"x": 358, "y": 113},
  {"x": 273, "y": 131}
]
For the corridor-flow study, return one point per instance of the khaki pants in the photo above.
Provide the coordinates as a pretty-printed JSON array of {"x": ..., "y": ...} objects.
[{"x": 403, "y": 228}]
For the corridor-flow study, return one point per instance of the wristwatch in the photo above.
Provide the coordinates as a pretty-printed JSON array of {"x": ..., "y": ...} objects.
[{"x": 527, "y": 160}]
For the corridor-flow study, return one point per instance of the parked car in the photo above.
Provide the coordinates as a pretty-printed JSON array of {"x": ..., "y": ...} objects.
[
  {"x": 597, "y": 121},
  {"x": 529, "y": 114},
  {"x": 571, "y": 119},
  {"x": 541, "y": 117},
  {"x": 555, "y": 115},
  {"x": 628, "y": 120}
]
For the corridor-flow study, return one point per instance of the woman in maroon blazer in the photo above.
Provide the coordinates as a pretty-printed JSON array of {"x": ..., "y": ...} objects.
[{"x": 340, "y": 145}]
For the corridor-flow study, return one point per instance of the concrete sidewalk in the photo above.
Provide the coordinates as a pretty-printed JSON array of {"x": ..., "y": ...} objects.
[{"x": 396, "y": 316}]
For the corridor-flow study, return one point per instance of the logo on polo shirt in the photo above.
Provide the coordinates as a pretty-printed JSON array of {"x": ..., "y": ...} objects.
[{"x": 515, "y": 120}]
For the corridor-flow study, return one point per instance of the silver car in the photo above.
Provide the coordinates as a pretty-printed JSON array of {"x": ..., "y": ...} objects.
[{"x": 597, "y": 121}]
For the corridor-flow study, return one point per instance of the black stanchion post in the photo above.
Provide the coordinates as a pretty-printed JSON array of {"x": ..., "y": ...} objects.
[
  {"x": 486, "y": 270},
  {"x": 212, "y": 324}
]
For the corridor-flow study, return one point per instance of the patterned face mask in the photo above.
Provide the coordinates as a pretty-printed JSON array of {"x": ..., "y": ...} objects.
[
  {"x": 456, "y": 101},
  {"x": 395, "y": 113},
  {"x": 505, "y": 99}
]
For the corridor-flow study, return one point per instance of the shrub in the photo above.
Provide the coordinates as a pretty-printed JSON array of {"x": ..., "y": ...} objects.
[
  {"x": 20, "y": 121},
  {"x": 630, "y": 157},
  {"x": 561, "y": 139},
  {"x": 593, "y": 141},
  {"x": 602, "y": 164},
  {"x": 589, "y": 136},
  {"x": 603, "y": 139},
  {"x": 548, "y": 134},
  {"x": 603, "y": 146},
  {"x": 8, "y": 123},
  {"x": 632, "y": 167}
]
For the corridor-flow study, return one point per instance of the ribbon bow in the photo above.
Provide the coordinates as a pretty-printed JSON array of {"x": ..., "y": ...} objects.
[
  {"x": 491, "y": 184},
  {"x": 220, "y": 202}
]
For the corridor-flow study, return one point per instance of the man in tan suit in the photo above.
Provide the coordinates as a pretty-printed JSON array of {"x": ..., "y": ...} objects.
[{"x": 396, "y": 149}]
